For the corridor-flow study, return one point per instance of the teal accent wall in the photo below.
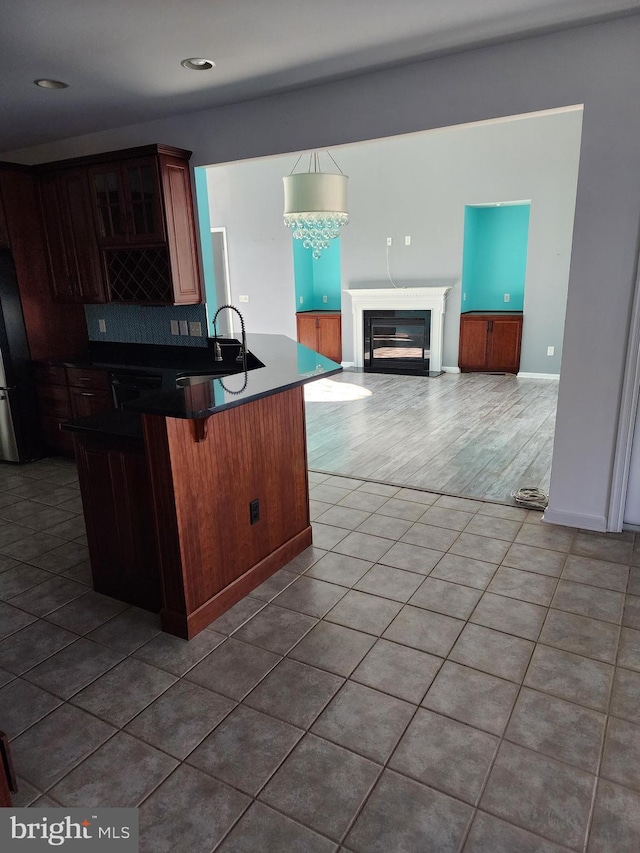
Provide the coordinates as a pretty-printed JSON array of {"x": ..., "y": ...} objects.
[
  {"x": 315, "y": 279},
  {"x": 203, "y": 224},
  {"x": 494, "y": 260}
]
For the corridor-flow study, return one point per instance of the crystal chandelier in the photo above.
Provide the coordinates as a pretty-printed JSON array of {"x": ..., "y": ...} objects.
[{"x": 315, "y": 204}]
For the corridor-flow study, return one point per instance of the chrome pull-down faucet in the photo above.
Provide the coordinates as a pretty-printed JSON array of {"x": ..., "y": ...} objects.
[{"x": 217, "y": 353}]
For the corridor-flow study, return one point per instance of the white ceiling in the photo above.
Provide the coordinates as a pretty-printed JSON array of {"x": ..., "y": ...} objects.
[{"x": 121, "y": 58}]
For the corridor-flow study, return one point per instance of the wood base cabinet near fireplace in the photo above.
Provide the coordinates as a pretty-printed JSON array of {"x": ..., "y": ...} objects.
[{"x": 490, "y": 342}]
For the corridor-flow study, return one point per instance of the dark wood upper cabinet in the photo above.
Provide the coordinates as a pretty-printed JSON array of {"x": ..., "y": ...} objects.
[
  {"x": 74, "y": 260},
  {"x": 490, "y": 342},
  {"x": 145, "y": 224},
  {"x": 131, "y": 213},
  {"x": 53, "y": 329},
  {"x": 107, "y": 193},
  {"x": 127, "y": 200}
]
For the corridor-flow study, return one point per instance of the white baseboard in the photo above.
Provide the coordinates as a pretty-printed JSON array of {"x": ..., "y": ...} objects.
[
  {"x": 522, "y": 375},
  {"x": 450, "y": 369},
  {"x": 348, "y": 363},
  {"x": 573, "y": 519}
]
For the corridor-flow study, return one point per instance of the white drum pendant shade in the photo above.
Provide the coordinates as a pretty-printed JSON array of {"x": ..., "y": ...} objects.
[
  {"x": 315, "y": 207},
  {"x": 315, "y": 192}
]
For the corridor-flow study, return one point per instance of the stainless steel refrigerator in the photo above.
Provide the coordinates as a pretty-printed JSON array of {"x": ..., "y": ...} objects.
[{"x": 19, "y": 432}]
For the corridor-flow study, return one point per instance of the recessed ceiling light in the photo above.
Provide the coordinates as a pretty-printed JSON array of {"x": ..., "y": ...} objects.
[
  {"x": 196, "y": 63},
  {"x": 51, "y": 84}
]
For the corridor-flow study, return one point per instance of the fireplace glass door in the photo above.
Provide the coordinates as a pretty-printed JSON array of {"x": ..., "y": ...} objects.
[{"x": 397, "y": 341}]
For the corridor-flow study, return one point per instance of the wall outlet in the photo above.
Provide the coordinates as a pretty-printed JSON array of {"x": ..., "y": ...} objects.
[
  {"x": 175, "y": 327},
  {"x": 325, "y": 298},
  {"x": 254, "y": 511},
  {"x": 243, "y": 298},
  {"x": 195, "y": 329},
  {"x": 102, "y": 326},
  {"x": 389, "y": 241},
  {"x": 407, "y": 240},
  {"x": 184, "y": 327},
  {"x": 551, "y": 350},
  {"x": 507, "y": 297}
]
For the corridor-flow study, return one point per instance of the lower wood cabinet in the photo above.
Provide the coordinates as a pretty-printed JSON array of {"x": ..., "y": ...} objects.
[
  {"x": 118, "y": 511},
  {"x": 321, "y": 331},
  {"x": 490, "y": 342},
  {"x": 65, "y": 393}
]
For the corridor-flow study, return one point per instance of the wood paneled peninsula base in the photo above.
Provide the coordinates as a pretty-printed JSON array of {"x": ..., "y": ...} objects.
[{"x": 202, "y": 496}]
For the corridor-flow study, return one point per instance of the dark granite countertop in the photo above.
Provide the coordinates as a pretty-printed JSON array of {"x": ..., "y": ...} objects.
[{"x": 197, "y": 389}]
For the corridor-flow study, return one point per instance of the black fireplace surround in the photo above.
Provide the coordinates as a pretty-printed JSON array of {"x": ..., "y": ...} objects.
[{"x": 397, "y": 342}]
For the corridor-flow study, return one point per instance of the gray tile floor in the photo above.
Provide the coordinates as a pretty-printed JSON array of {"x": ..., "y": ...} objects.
[{"x": 436, "y": 674}]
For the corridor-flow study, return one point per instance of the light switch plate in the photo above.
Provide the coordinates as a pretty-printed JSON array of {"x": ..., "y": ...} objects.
[
  {"x": 102, "y": 326},
  {"x": 175, "y": 328},
  {"x": 243, "y": 298},
  {"x": 184, "y": 327},
  {"x": 195, "y": 329}
]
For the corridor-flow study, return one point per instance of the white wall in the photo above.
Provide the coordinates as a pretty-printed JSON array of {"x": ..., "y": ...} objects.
[
  {"x": 416, "y": 185},
  {"x": 598, "y": 66}
]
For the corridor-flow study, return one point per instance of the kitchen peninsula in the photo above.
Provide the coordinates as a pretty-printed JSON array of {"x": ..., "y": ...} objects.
[{"x": 193, "y": 496}]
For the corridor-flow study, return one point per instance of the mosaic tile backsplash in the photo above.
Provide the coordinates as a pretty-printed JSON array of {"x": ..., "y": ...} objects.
[{"x": 137, "y": 324}]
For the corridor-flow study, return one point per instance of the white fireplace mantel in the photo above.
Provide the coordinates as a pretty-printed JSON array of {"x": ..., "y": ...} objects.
[{"x": 396, "y": 298}]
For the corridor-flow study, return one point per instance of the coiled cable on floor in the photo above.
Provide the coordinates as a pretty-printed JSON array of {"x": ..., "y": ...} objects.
[{"x": 531, "y": 498}]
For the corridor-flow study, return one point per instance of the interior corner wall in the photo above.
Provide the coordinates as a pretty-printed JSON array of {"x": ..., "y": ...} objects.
[
  {"x": 596, "y": 65},
  {"x": 495, "y": 258},
  {"x": 302, "y": 277}
]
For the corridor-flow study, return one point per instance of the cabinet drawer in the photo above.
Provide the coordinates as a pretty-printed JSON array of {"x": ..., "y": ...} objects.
[
  {"x": 95, "y": 380},
  {"x": 49, "y": 374},
  {"x": 53, "y": 401},
  {"x": 84, "y": 402}
]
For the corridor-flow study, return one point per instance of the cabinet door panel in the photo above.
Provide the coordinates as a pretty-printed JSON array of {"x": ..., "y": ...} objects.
[
  {"x": 82, "y": 248},
  {"x": 330, "y": 337},
  {"x": 53, "y": 220},
  {"x": 307, "y": 331},
  {"x": 84, "y": 403},
  {"x": 180, "y": 230},
  {"x": 109, "y": 204},
  {"x": 473, "y": 353},
  {"x": 117, "y": 503},
  {"x": 504, "y": 344},
  {"x": 141, "y": 186}
]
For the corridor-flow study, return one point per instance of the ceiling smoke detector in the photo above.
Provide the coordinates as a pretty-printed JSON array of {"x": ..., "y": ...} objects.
[
  {"x": 51, "y": 84},
  {"x": 196, "y": 63}
]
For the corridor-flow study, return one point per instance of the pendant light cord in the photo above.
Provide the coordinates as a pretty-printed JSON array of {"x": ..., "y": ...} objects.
[{"x": 314, "y": 158}]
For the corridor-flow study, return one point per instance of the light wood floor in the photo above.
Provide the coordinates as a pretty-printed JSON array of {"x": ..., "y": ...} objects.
[{"x": 475, "y": 435}]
